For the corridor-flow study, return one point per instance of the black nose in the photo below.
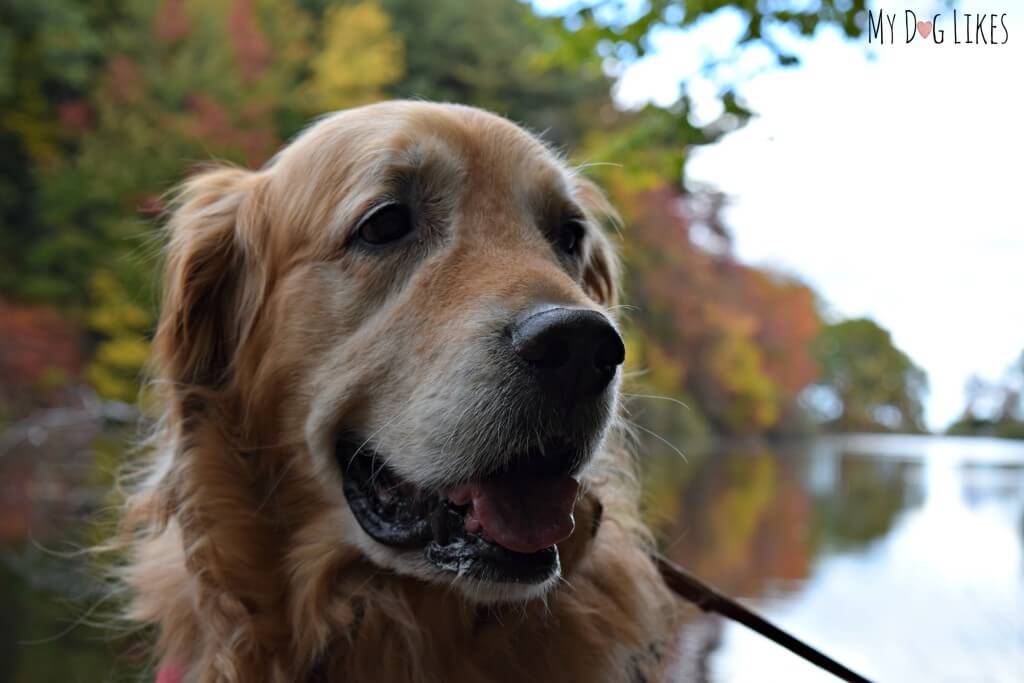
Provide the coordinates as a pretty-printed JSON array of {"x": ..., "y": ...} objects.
[{"x": 573, "y": 352}]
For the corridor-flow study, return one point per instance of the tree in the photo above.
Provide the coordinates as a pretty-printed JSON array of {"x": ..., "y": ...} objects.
[
  {"x": 994, "y": 408},
  {"x": 731, "y": 340},
  {"x": 108, "y": 105},
  {"x": 50, "y": 53},
  {"x": 360, "y": 56},
  {"x": 491, "y": 53},
  {"x": 877, "y": 385},
  {"x": 622, "y": 34}
]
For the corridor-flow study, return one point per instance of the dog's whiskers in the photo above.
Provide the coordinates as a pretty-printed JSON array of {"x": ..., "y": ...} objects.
[
  {"x": 657, "y": 397},
  {"x": 387, "y": 423},
  {"x": 660, "y": 438}
]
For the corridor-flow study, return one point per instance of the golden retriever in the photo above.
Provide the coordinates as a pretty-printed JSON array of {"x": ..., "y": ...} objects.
[{"x": 390, "y": 369}]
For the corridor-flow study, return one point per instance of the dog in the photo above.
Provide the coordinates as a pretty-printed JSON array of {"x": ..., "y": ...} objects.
[{"x": 389, "y": 368}]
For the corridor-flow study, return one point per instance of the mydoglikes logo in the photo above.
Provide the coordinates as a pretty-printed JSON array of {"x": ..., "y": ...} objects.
[{"x": 958, "y": 28}]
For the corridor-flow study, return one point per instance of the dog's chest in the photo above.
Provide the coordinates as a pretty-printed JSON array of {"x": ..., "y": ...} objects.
[{"x": 470, "y": 645}]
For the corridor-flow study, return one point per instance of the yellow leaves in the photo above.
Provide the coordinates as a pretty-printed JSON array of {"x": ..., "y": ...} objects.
[
  {"x": 653, "y": 367},
  {"x": 117, "y": 364},
  {"x": 124, "y": 353},
  {"x": 753, "y": 400},
  {"x": 111, "y": 384},
  {"x": 735, "y": 514},
  {"x": 360, "y": 55},
  {"x": 115, "y": 312}
]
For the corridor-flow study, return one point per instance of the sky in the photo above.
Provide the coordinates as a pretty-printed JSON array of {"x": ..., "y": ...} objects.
[{"x": 888, "y": 177}]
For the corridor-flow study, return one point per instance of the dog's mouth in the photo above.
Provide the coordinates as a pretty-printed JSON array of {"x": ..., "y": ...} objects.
[{"x": 502, "y": 527}]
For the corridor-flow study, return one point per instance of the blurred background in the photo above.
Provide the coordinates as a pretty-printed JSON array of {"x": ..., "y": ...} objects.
[{"x": 824, "y": 283}]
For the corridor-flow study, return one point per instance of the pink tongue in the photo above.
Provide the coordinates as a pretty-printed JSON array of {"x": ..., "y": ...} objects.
[{"x": 523, "y": 515}]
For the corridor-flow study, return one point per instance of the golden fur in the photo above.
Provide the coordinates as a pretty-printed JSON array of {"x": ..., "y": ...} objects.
[{"x": 244, "y": 555}]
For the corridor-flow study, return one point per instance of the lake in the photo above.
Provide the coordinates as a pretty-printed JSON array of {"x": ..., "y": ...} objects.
[
  {"x": 902, "y": 557},
  {"x": 899, "y": 556}
]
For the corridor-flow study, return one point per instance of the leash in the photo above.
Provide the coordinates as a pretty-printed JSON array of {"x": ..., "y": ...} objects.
[{"x": 708, "y": 599}]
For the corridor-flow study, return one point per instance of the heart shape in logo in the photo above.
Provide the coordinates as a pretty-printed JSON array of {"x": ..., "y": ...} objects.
[{"x": 924, "y": 28}]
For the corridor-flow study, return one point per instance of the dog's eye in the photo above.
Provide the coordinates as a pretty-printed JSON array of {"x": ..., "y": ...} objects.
[
  {"x": 570, "y": 235},
  {"x": 389, "y": 223}
]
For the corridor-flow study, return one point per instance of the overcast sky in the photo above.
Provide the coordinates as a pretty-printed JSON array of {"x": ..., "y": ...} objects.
[{"x": 892, "y": 184}]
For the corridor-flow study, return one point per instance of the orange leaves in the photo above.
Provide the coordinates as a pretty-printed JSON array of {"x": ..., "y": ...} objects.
[
  {"x": 40, "y": 352},
  {"x": 735, "y": 338}
]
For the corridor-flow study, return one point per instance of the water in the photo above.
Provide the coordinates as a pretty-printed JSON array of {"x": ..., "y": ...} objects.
[
  {"x": 899, "y": 556},
  {"x": 56, "y": 619},
  {"x": 903, "y": 557}
]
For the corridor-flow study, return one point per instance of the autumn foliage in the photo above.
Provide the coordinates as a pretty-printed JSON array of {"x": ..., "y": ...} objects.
[
  {"x": 40, "y": 353},
  {"x": 108, "y": 105},
  {"x": 731, "y": 338}
]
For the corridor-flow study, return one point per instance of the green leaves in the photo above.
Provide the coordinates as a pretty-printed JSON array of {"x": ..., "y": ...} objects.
[
  {"x": 879, "y": 387},
  {"x": 107, "y": 105},
  {"x": 612, "y": 27}
]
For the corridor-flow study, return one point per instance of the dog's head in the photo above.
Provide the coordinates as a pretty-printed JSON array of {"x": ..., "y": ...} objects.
[{"x": 418, "y": 296}]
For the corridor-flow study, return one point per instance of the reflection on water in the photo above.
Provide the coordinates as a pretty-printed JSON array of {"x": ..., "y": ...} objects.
[
  {"x": 903, "y": 557},
  {"x": 57, "y": 621},
  {"x": 899, "y": 556}
]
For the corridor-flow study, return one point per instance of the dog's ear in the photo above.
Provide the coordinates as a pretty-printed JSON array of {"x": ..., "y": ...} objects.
[
  {"x": 215, "y": 282},
  {"x": 212, "y": 280},
  {"x": 601, "y": 266}
]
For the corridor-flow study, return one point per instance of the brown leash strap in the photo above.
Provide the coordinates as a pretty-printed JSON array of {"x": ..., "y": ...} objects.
[{"x": 708, "y": 599}]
